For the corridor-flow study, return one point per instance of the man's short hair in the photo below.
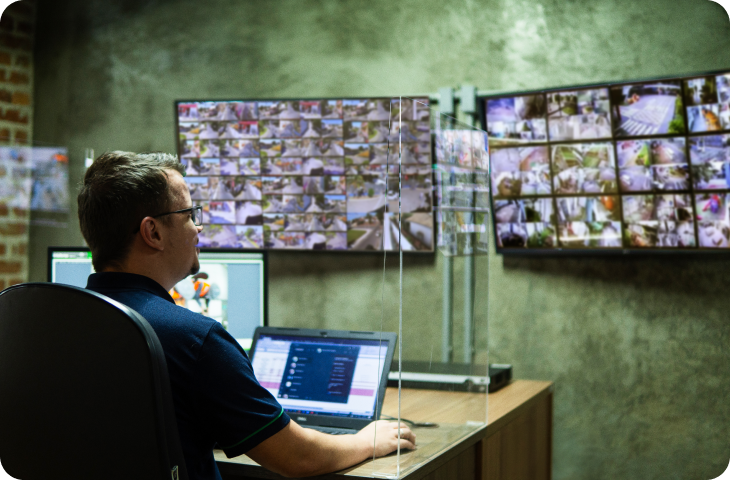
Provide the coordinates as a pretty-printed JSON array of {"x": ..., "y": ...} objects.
[{"x": 119, "y": 190}]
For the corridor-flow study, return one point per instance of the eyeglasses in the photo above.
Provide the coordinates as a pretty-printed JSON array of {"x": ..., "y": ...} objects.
[{"x": 196, "y": 213}]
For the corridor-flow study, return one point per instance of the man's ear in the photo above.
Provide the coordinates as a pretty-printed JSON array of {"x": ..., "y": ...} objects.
[{"x": 151, "y": 233}]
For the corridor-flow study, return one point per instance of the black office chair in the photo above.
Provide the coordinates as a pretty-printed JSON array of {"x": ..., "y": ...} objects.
[{"x": 84, "y": 389}]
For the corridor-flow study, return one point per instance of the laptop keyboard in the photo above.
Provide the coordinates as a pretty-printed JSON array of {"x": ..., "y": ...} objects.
[{"x": 332, "y": 430}]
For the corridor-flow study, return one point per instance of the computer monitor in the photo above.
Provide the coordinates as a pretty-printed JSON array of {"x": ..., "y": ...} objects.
[{"x": 231, "y": 286}]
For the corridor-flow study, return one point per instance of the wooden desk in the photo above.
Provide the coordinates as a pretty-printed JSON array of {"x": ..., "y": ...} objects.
[{"x": 516, "y": 443}]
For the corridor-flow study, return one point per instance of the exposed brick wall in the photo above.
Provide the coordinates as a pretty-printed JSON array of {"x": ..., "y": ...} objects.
[{"x": 17, "y": 25}]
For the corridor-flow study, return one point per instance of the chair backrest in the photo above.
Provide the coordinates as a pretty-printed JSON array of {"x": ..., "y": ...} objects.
[{"x": 84, "y": 389}]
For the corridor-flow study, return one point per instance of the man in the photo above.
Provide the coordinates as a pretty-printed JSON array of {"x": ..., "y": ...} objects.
[{"x": 136, "y": 214}]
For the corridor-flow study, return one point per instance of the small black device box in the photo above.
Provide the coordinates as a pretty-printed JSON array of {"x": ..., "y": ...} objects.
[{"x": 454, "y": 377}]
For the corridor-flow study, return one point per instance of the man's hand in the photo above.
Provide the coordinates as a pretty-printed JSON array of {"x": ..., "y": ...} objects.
[{"x": 384, "y": 434}]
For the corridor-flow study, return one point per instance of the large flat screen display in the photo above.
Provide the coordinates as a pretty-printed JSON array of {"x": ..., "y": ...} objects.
[
  {"x": 614, "y": 167},
  {"x": 310, "y": 174}
]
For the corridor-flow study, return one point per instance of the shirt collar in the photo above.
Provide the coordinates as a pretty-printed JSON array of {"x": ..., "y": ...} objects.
[{"x": 122, "y": 280}]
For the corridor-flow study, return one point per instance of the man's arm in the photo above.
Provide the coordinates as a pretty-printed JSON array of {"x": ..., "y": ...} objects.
[{"x": 300, "y": 452}]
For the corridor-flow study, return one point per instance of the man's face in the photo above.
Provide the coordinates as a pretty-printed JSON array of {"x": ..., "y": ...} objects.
[{"x": 181, "y": 232}]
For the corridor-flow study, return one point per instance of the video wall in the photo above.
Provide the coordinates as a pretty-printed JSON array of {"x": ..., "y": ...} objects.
[
  {"x": 617, "y": 166},
  {"x": 310, "y": 174}
]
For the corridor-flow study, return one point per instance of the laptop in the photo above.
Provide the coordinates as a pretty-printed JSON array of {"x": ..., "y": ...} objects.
[{"x": 331, "y": 380}]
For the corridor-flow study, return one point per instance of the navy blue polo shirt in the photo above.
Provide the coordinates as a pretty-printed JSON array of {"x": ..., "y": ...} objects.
[{"x": 216, "y": 395}]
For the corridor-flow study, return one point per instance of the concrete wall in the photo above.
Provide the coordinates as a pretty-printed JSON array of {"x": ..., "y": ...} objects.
[{"x": 638, "y": 347}]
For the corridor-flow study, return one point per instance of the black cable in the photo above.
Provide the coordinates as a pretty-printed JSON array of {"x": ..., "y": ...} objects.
[{"x": 411, "y": 423}]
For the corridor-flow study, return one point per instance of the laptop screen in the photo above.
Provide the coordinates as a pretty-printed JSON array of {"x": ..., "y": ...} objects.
[
  {"x": 229, "y": 288},
  {"x": 338, "y": 377}
]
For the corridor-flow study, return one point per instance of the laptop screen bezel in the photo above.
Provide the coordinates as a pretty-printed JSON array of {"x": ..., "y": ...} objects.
[{"x": 389, "y": 340}]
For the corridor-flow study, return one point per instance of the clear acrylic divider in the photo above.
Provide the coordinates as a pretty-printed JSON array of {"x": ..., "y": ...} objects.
[{"x": 437, "y": 303}]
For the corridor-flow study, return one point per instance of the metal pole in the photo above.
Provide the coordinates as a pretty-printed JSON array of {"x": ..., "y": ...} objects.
[
  {"x": 467, "y": 110},
  {"x": 447, "y": 330},
  {"x": 469, "y": 307},
  {"x": 446, "y": 107}
]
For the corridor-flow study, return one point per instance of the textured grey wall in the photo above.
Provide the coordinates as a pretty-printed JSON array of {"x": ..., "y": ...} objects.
[{"x": 638, "y": 347}]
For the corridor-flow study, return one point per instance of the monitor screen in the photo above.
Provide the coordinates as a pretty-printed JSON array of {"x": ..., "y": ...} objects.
[
  {"x": 231, "y": 286},
  {"x": 640, "y": 166},
  {"x": 309, "y": 174},
  {"x": 321, "y": 376}
]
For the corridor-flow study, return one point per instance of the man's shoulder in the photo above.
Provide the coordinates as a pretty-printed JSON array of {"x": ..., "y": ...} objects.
[{"x": 160, "y": 312}]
